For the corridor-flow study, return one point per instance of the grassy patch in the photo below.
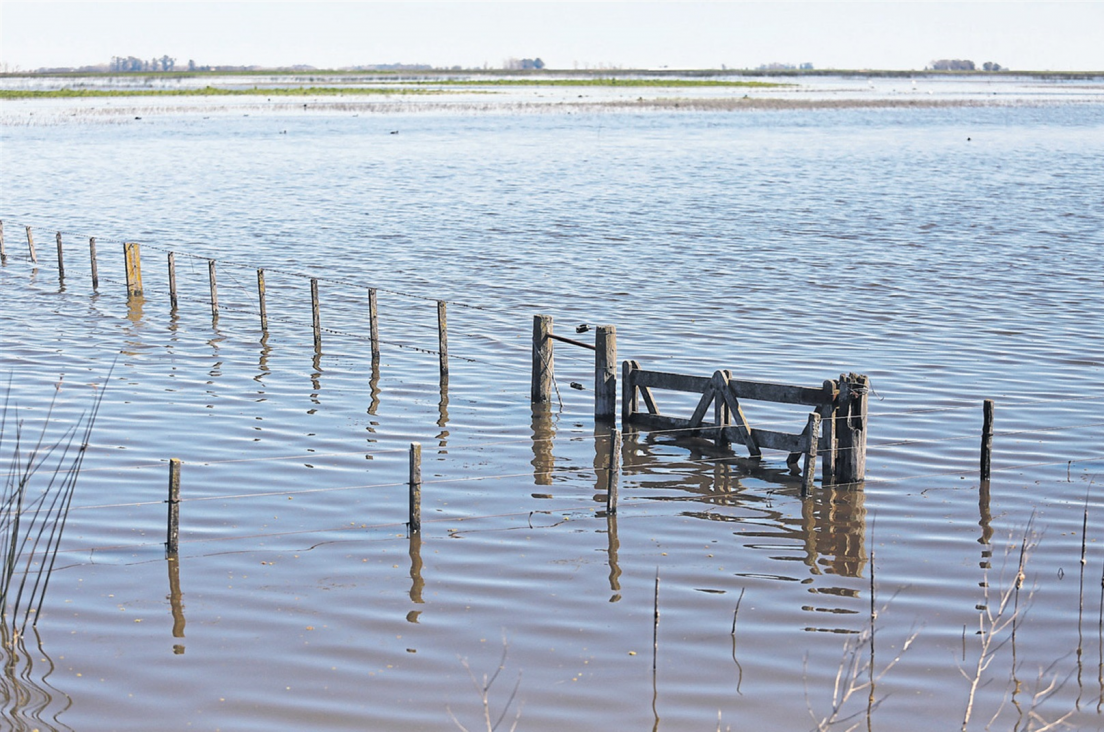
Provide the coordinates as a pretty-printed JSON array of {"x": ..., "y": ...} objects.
[{"x": 209, "y": 91}]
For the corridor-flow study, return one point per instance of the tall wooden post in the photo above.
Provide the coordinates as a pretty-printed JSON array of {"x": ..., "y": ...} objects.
[
  {"x": 261, "y": 298},
  {"x": 316, "y": 318},
  {"x": 61, "y": 259},
  {"x": 605, "y": 372},
  {"x": 3, "y": 252},
  {"x": 543, "y": 359},
  {"x": 987, "y": 440},
  {"x": 172, "y": 280},
  {"x": 415, "y": 510},
  {"x": 132, "y": 254},
  {"x": 173, "y": 541},
  {"x": 95, "y": 266},
  {"x": 614, "y": 471},
  {"x": 214, "y": 287},
  {"x": 30, "y": 245},
  {"x": 442, "y": 338},
  {"x": 373, "y": 324},
  {"x": 851, "y": 428}
]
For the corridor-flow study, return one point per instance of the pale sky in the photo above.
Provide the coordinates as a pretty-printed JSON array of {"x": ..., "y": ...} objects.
[{"x": 847, "y": 35}]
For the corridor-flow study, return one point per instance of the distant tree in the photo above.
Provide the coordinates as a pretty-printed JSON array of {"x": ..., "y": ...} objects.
[
  {"x": 953, "y": 65},
  {"x": 990, "y": 66},
  {"x": 167, "y": 63},
  {"x": 191, "y": 65}
]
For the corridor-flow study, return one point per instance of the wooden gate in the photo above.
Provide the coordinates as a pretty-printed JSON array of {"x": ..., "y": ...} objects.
[{"x": 835, "y": 430}]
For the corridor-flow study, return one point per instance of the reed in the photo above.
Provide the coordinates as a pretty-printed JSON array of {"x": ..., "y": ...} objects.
[
  {"x": 34, "y": 506},
  {"x": 483, "y": 689}
]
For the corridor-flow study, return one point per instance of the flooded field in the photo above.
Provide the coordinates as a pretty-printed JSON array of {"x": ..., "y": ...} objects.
[{"x": 950, "y": 251}]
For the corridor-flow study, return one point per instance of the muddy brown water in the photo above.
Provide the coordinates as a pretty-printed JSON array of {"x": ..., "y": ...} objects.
[{"x": 952, "y": 254}]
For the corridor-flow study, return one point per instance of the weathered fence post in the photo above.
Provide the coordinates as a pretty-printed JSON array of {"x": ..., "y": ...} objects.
[
  {"x": 214, "y": 287},
  {"x": 415, "y": 511},
  {"x": 30, "y": 245},
  {"x": 316, "y": 318},
  {"x": 95, "y": 266},
  {"x": 442, "y": 337},
  {"x": 630, "y": 395},
  {"x": 173, "y": 540},
  {"x": 614, "y": 471},
  {"x": 261, "y": 298},
  {"x": 543, "y": 359},
  {"x": 132, "y": 254},
  {"x": 373, "y": 324},
  {"x": 987, "y": 440},
  {"x": 605, "y": 372},
  {"x": 813, "y": 432},
  {"x": 851, "y": 416},
  {"x": 172, "y": 280},
  {"x": 61, "y": 259},
  {"x": 3, "y": 252}
]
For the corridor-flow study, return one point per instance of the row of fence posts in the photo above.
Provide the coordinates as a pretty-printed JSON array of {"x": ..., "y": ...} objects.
[
  {"x": 414, "y": 491},
  {"x": 133, "y": 269}
]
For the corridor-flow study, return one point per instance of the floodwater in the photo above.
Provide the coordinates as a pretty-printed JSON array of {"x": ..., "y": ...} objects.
[{"x": 953, "y": 254}]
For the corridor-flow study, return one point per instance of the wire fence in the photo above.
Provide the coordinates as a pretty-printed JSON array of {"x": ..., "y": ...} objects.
[{"x": 637, "y": 467}]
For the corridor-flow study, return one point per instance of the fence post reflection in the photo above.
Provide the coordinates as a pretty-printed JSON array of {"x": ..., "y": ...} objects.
[
  {"x": 176, "y": 601},
  {"x": 544, "y": 430}
]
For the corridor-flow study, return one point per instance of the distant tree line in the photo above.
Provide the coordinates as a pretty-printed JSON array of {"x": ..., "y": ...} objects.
[
  {"x": 946, "y": 64},
  {"x": 132, "y": 63},
  {"x": 515, "y": 64}
]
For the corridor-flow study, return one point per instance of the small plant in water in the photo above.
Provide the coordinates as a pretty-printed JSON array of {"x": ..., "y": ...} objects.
[
  {"x": 483, "y": 689},
  {"x": 34, "y": 507}
]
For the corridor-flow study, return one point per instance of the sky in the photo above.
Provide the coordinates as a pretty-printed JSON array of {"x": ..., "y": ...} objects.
[{"x": 1050, "y": 35}]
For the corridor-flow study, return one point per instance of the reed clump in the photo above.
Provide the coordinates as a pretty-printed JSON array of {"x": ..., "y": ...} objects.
[{"x": 34, "y": 507}]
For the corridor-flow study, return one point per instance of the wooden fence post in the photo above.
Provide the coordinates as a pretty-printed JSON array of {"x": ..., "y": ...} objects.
[
  {"x": 415, "y": 511},
  {"x": 173, "y": 541},
  {"x": 851, "y": 417},
  {"x": 614, "y": 471},
  {"x": 61, "y": 259},
  {"x": 812, "y": 431},
  {"x": 442, "y": 338},
  {"x": 172, "y": 280},
  {"x": 214, "y": 287},
  {"x": 261, "y": 298},
  {"x": 95, "y": 267},
  {"x": 316, "y": 318},
  {"x": 3, "y": 252},
  {"x": 132, "y": 254},
  {"x": 987, "y": 440},
  {"x": 543, "y": 359},
  {"x": 373, "y": 324},
  {"x": 605, "y": 372},
  {"x": 30, "y": 246}
]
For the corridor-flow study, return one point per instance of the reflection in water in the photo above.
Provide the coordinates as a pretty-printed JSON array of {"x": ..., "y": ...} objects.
[
  {"x": 417, "y": 584},
  {"x": 176, "y": 601},
  {"x": 611, "y": 552},
  {"x": 135, "y": 307},
  {"x": 262, "y": 360},
  {"x": 373, "y": 385},
  {"x": 544, "y": 431},
  {"x": 316, "y": 377},
  {"x": 835, "y": 530},
  {"x": 443, "y": 415},
  {"x": 29, "y": 700}
]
